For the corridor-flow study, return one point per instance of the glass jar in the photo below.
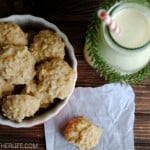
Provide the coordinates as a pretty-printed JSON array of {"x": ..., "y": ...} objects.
[{"x": 125, "y": 57}]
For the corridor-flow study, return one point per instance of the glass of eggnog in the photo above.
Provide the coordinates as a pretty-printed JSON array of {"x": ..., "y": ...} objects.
[{"x": 128, "y": 51}]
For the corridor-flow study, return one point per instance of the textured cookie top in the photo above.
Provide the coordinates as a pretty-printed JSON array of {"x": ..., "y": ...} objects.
[
  {"x": 55, "y": 77},
  {"x": 47, "y": 44},
  {"x": 82, "y": 133},
  {"x": 33, "y": 89},
  {"x": 16, "y": 64},
  {"x": 17, "y": 107},
  {"x": 6, "y": 88},
  {"x": 11, "y": 33}
]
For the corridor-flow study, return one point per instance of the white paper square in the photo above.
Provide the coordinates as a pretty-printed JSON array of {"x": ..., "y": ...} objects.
[{"x": 111, "y": 107}]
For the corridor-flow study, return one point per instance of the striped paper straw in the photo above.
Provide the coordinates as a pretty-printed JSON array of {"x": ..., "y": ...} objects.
[{"x": 102, "y": 14}]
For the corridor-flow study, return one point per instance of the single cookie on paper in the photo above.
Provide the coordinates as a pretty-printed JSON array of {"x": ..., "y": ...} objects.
[{"x": 82, "y": 133}]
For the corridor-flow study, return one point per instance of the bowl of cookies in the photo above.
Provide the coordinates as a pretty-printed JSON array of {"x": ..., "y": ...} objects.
[{"x": 38, "y": 70}]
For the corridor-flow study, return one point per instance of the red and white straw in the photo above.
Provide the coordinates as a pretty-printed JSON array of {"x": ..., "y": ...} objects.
[{"x": 102, "y": 14}]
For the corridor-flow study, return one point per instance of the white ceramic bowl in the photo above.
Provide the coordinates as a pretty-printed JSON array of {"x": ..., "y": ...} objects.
[{"x": 40, "y": 23}]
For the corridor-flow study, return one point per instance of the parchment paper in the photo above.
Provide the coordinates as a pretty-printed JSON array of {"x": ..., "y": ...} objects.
[{"x": 111, "y": 107}]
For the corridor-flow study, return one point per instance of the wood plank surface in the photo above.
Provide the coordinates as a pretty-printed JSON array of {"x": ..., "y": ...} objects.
[{"x": 73, "y": 17}]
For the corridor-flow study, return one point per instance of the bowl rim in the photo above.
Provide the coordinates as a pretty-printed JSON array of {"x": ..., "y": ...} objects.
[{"x": 40, "y": 120}]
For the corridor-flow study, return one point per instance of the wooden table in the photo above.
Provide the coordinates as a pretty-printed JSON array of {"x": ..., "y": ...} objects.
[{"x": 72, "y": 17}]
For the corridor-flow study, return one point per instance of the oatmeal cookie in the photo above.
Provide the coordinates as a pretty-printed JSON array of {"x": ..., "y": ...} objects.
[
  {"x": 47, "y": 44},
  {"x": 56, "y": 78},
  {"x": 16, "y": 64},
  {"x": 5, "y": 88},
  {"x": 11, "y": 33},
  {"x": 43, "y": 96},
  {"x": 30, "y": 88},
  {"x": 82, "y": 133},
  {"x": 17, "y": 107}
]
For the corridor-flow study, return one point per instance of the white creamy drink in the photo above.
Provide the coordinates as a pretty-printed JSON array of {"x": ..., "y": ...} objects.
[
  {"x": 135, "y": 28},
  {"x": 129, "y": 51}
]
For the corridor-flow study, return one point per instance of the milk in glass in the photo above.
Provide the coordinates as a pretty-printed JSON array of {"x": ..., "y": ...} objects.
[
  {"x": 135, "y": 28},
  {"x": 128, "y": 51}
]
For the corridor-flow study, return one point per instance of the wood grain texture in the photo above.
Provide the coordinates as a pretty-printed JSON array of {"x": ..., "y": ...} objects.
[
  {"x": 26, "y": 136},
  {"x": 73, "y": 17}
]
